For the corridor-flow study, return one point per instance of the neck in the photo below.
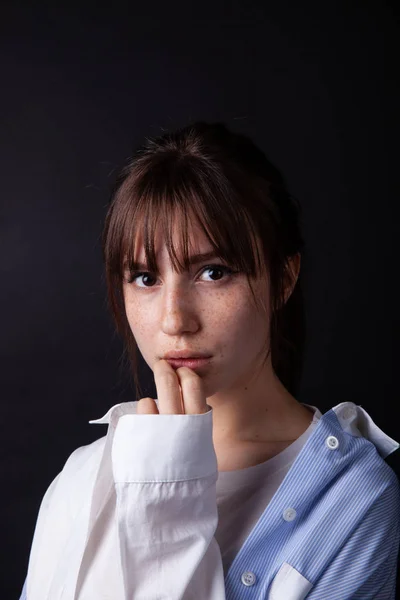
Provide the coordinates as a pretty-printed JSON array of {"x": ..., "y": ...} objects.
[{"x": 257, "y": 409}]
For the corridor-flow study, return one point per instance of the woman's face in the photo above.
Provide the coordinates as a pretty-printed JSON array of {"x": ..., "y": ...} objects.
[{"x": 202, "y": 310}]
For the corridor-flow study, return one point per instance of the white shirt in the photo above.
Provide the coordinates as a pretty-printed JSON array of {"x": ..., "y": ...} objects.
[{"x": 143, "y": 514}]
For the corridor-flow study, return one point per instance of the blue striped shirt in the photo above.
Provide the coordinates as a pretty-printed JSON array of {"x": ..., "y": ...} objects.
[{"x": 330, "y": 532}]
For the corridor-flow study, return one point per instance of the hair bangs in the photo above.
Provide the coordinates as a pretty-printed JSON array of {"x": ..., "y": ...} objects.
[{"x": 177, "y": 196}]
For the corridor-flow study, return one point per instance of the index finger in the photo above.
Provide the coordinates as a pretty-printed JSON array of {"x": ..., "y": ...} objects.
[
  {"x": 170, "y": 401},
  {"x": 193, "y": 395}
]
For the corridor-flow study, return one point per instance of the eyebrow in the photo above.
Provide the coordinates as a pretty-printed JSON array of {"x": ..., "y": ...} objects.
[{"x": 193, "y": 260}]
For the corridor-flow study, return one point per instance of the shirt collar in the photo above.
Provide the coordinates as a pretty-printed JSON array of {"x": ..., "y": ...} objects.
[
  {"x": 112, "y": 415},
  {"x": 353, "y": 419}
]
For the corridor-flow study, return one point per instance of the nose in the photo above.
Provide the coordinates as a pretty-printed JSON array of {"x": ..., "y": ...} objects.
[{"x": 178, "y": 310}]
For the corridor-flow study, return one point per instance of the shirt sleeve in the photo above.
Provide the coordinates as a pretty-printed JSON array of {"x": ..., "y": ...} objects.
[
  {"x": 165, "y": 473},
  {"x": 366, "y": 566}
]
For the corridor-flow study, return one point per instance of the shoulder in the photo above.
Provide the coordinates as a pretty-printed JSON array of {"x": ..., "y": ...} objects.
[
  {"x": 77, "y": 477},
  {"x": 65, "y": 502},
  {"x": 340, "y": 472},
  {"x": 348, "y": 502},
  {"x": 355, "y": 421},
  {"x": 83, "y": 463},
  {"x": 348, "y": 451},
  {"x": 85, "y": 458}
]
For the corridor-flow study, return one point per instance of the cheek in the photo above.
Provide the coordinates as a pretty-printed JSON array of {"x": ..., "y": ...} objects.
[
  {"x": 138, "y": 319},
  {"x": 246, "y": 324},
  {"x": 241, "y": 324},
  {"x": 142, "y": 330}
]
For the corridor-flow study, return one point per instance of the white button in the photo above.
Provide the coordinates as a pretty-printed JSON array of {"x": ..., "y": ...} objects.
[
  {"x": 289, "y": 514},
  {"x": 332, "y": 442},
  {"x": 348, "y": 412},
  {"x": 248, "y": 578}
]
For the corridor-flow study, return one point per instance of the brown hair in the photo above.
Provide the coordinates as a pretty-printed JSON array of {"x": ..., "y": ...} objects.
[{"x": 243, "y": 207}]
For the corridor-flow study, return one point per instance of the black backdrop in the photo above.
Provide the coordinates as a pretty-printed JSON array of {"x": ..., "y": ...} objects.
[{"x": 313, "y": 83}]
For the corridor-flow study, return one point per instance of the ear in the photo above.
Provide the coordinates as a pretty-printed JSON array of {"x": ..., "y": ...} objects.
[{"x": 292, "y": 274}]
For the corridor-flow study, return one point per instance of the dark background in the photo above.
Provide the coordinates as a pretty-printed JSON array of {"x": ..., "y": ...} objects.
[{"x": 313, "y": 83}]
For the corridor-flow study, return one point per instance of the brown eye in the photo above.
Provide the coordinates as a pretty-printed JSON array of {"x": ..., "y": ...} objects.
[
  {"x": 145, "y": 275},
  {"x": 137, "y": 274},
  {"x": 220, "y": 268}
]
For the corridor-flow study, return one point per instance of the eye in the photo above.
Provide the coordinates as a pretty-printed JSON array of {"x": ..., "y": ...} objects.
[
  {"x": 222, "y": 268},
  {"x": 134, "y": 275}
]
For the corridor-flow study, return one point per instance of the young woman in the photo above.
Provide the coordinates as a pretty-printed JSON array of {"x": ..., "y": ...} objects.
[{"x": 225, "y": 487}]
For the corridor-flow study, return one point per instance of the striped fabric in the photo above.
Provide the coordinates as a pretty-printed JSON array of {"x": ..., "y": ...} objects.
[
  {"x": 330, "y": 532},
  {"x": 345, "y": 537}
]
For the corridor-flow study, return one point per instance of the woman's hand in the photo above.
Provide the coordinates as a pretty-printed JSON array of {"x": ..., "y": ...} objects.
[{"x": 179, "y": 392}]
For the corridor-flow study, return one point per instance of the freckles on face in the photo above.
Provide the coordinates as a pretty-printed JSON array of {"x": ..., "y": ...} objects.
[
  {"x": 242, "y": 329},
  {"x": 223, "y": 322}
]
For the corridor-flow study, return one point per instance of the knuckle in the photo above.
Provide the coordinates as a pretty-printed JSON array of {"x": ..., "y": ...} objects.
[
  {"x": 145, "y": 406},
  {"x": 146, "y": 400}
]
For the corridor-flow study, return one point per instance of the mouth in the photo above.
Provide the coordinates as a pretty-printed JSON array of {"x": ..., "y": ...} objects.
[{"x": 192, "y": 363}]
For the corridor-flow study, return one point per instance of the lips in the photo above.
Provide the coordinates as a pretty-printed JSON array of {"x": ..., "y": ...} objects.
[
  {"x": 192, "y": 363},
  {"x": 185, "y": 355}
]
